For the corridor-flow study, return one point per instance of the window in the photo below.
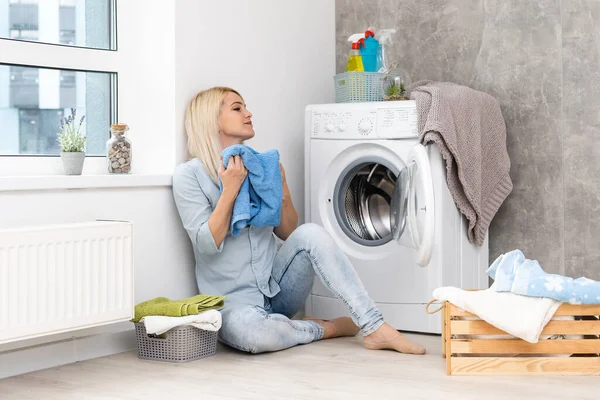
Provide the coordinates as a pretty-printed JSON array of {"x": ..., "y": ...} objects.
[
  {"x": 83, "y": 23},
  {"x": 40, "y": 82},
  {"x": 35, "y": 99}
]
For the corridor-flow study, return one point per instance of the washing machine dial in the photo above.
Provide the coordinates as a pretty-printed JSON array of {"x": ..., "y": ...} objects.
[
  {"x": 342, "y": 127},
  {"x": 329, "y": 127},
  {"x": 364, "y": 126}
]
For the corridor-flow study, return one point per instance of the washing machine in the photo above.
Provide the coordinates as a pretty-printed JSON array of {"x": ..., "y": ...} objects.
[{"x": 383, "y": 197}]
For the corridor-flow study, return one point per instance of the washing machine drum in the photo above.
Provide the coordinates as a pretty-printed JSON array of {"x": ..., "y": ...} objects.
[{"x": 365, "y": 200}]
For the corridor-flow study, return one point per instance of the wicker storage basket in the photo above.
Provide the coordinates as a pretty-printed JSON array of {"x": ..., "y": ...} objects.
[
  {"x": 180, "y": 344},
  {"x": 353, "y": 87}
]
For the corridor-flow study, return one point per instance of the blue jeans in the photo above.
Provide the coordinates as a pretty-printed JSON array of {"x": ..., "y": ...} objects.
[{"x": 308, "y": 250}]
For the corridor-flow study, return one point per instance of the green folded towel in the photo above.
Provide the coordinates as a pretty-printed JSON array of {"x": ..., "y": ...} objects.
[{"x": 178, "y": 308}]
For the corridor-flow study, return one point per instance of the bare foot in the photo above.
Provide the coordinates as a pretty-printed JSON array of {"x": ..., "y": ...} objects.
[
  {"x": 387, "y": 338},
  {"x": 338, "y": 327}
]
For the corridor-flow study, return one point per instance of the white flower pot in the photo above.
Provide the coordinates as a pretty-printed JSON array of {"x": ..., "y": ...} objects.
[{"x": 73, "y": 162}]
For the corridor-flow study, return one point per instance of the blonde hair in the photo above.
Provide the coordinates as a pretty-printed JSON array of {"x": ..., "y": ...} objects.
[{"x": 202, "y": 127}]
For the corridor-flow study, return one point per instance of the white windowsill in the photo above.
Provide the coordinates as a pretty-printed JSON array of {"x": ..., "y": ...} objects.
[{"x": 54, "y": 182}]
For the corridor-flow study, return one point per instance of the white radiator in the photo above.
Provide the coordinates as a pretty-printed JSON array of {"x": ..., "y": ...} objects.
[{"x": 60, "y": 278}]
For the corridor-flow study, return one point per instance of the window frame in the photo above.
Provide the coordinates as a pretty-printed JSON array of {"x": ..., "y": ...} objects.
[{"x": 64, "y": 57}]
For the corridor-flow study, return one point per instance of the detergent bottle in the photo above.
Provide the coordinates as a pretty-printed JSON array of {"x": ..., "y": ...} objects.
[
  {"x": 384, "y": 36},
  {"x": 369, "y": 52},
  {"x": 355, "y": 63}
]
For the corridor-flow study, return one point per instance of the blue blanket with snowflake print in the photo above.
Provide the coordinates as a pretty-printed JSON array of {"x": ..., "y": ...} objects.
[{"x": 512, "y": 272}]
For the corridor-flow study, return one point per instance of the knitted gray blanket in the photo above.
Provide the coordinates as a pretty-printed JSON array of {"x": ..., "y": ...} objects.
[{"x": 469, "y": 130}]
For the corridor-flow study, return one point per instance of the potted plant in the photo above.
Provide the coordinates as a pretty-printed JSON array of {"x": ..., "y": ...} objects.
[
  {"x": 394, "y": 89},
  {"x": 72, "y": 144}
]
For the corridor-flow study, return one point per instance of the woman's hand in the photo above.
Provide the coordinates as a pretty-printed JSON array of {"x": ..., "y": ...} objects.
[{"x": 233, "y": 177}]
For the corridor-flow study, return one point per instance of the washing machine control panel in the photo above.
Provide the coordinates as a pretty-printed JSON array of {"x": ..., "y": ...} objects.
[{"x": 394, "y": 120}]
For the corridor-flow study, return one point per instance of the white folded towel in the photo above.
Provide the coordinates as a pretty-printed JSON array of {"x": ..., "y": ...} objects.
[
  {"x": 209, "y": 320},
  {"x": 520, "y": 316}
]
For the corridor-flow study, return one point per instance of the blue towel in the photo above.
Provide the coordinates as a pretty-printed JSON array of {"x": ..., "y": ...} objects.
[
  {"x": 512, "y": 272},
  {"x": 259, "y": 201}
]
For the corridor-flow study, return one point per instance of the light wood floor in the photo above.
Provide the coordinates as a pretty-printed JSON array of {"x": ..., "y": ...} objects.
[{"x": 331, "y": 369}]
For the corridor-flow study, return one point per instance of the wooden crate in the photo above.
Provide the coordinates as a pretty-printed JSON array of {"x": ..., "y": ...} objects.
[{"x": 469, "y": 355}]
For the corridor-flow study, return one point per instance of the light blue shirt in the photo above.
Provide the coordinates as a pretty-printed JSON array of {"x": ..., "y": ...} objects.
[{"x": 241, "y": 267}]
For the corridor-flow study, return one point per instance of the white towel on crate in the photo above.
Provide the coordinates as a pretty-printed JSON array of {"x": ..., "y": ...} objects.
[
  {"x": 209, "y": 320},
  {"x": 520, "y": 316}
]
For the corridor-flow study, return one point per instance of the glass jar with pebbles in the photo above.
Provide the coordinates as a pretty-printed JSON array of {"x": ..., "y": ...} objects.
[{"x": 118, "y": 150}]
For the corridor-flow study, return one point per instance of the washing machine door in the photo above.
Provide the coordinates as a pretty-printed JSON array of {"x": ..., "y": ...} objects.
[{"x": 413, "y": 206}]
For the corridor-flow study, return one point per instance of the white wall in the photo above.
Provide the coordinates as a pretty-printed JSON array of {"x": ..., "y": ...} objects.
[
  {"x": 280, "y": 55},
  {"x": 146, "y": 83}
]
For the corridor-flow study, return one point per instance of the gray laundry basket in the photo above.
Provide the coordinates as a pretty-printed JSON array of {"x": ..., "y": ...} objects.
[{"x": 180, "y": 344}]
